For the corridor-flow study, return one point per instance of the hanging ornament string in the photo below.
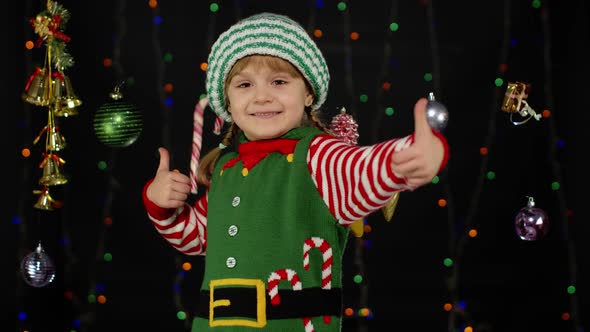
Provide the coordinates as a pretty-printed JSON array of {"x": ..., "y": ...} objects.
[
  {"x": 457, "y": 244},
  {"x": 198, "y": 124}
]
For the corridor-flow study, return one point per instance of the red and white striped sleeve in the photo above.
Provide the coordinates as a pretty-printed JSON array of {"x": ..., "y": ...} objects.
[
  {"x": 354, "y": 180},
  {"x": 184, "y": 228}
]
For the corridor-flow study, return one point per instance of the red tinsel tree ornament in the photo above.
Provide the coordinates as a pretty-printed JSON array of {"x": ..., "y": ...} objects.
[{"x": 345, "y": 127}]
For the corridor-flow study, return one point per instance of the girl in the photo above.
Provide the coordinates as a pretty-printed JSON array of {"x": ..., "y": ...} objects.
[{"x": 281, "y": 191}]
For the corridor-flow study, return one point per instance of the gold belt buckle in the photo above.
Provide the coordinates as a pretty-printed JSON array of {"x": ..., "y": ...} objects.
[{"x": 260, "y": 302}]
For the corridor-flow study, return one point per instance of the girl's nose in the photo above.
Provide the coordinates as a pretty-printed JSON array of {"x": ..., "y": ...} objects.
[{"x": 262, "y": 95}]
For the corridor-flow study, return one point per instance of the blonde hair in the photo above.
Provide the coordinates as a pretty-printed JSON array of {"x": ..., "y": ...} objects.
[{"x": 207, "y": 163}]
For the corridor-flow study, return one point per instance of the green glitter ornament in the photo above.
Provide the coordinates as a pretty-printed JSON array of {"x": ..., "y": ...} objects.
[{"x": 117, "y": 123}]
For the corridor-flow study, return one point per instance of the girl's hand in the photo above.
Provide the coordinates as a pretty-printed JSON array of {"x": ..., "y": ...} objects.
[
  {"x": 420, "y": 162},
  {"x": 169, "y": 189}
]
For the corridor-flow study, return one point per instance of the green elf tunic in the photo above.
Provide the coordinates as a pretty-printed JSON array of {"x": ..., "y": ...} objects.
[{"x": 274, "y": 250}]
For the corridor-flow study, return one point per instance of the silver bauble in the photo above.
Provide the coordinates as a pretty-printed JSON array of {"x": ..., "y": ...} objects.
[
  {"x": 37, "y": 268},
  {"x": 436, "y": 114}
]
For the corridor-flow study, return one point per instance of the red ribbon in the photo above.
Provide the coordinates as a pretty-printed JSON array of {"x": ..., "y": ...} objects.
[
  {"x": 60, "y": 35},
  {"x": 51, "y": 156},
  {"x": 58, "y": 75},
  {"x": 37, "y": 72},
  {"x": 55, "y": 22},
  {"x": 53, "y": 27}
]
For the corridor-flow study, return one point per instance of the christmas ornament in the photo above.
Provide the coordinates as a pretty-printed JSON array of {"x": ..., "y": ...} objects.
[
  {"x": 389, "y": 208},
  {"x": 65, "y": 100},
  {"x": 436, "y": 114},
  {"x": 50, "y": 85},
  {"x": 54, "y": 140},
  {"x": 117, "y": 123},
  {"x": 345, "y": 127},
  {"x": 51, "y": 166},
  {"x": 37, "y": 269},
  {"x": 45, "y": 201},
  {"x": 37, "y": 88},
  {"x": 357, "y": 228},
  {"x": 531, "y": 223},
  {"x": 514, "y": 102}
]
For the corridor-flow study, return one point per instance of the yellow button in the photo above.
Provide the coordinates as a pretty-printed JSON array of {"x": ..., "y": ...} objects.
[
  {"x": 290, "y": 157},
  {"x": 244, "y": 171}
]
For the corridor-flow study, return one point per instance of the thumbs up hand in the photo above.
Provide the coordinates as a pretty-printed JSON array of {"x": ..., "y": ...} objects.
[
  {"x": 169, "y": 189},
  {"x": 420, "y": 162}
]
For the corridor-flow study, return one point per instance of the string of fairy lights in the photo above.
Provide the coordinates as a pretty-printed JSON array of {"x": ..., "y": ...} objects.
[
  {"x": 20, "y": 220},
  {"x": 569, "y": 290},
  {"x": 457, "y": 308},
  {"x": 182, "y": 263},
  {"x": 384, "y": 72},
  {"x": 98, "y": 291},
  {"x": 359, "y": 310}
]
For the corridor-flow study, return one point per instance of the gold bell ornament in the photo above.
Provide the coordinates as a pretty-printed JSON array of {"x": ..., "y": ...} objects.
[
  {"x": 65, "y": 100},
  {"x": 54, "y": 140},
  {"x": 38, "y": 89},
  {"x": 45, "y": 201},
  {"x": 51, "y": 165}
]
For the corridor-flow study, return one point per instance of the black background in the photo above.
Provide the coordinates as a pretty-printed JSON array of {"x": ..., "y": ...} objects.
[{"x": 507, "y": 284}]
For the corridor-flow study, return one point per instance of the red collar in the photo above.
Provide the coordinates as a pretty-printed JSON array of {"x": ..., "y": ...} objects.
[{"x": 250, "y": 153}]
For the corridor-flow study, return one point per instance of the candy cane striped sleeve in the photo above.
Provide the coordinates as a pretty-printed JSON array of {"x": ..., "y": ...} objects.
[
  {"x": 185, "y": 228},
  {"x": 354, "y": 180}
]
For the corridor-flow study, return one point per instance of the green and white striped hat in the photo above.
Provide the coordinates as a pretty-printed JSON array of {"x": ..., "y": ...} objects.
[{"x": 267, "y": 34}]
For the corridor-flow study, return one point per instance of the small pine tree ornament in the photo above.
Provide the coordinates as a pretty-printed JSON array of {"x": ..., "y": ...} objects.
[
  {"x": 345, "y": 127},
  {"x": 117, "y": 123}
]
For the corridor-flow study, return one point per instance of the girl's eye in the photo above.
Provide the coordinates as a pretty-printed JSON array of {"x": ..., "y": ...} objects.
[
  {"x": 279, "y": 82},
  {"x": 243, "y": 85}
]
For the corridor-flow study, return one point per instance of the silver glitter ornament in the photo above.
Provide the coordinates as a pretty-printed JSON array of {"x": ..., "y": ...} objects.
[
  {"x": 436, "y": 114},
  {"x": 37, "y": 268}
]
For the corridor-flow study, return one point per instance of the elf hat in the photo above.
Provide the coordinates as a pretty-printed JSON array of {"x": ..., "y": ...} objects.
[{"x": 265, "y": 34}]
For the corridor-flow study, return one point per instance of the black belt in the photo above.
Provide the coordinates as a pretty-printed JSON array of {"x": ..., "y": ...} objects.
[{"x": 307, "y": 302}]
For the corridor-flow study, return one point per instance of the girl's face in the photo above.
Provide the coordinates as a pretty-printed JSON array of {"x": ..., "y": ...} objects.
[{"x": 266, "y": 97}]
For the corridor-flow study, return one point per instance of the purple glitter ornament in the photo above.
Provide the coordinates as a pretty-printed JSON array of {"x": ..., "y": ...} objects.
[{"x": 531, "y": 223}]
